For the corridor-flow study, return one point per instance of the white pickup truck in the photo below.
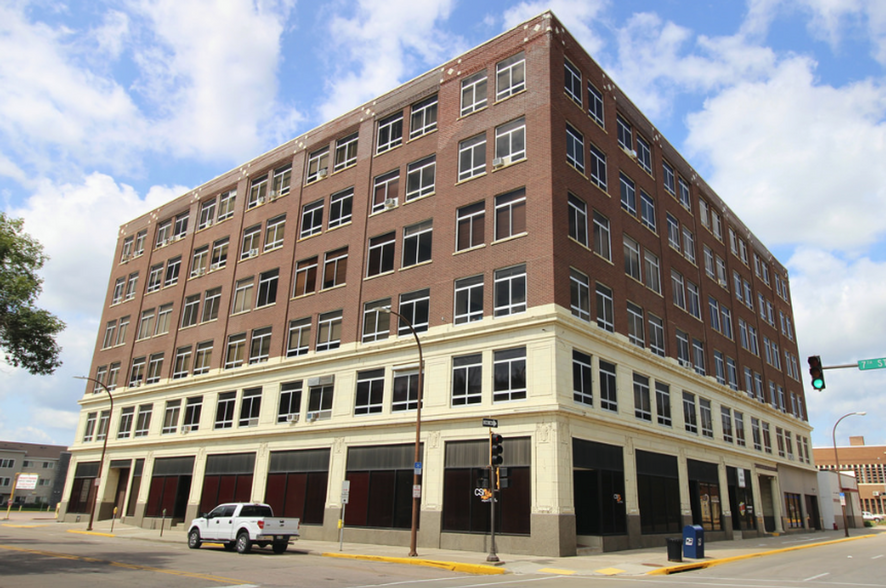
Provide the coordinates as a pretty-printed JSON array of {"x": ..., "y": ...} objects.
[{"x": 240, "y": 525}]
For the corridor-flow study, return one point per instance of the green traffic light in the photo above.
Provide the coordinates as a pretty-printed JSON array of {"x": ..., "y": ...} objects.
[{"x": 818, "y": 383}]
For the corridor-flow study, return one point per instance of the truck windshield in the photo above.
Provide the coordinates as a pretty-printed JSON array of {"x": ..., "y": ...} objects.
[{"x": 256, "y": 510}]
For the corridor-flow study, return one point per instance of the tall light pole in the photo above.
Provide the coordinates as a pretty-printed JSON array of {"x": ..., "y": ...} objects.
[
  {"x": 837, "y": 460},
  {"x": 416, "y": 484},
  {"x": 104, "y": 445}
]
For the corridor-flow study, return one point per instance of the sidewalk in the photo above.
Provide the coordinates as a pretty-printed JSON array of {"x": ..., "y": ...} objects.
[{"x": 627, "y": 563}]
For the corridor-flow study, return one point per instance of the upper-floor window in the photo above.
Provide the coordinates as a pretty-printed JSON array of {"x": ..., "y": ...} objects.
[
  {"x": 318, "y": 165},
  {"x": 258, "y": 192},
  {"x": 510, "y": 141},
  {"x": 251, "y": 242},
  {"x": 381, "y": 254},
  {"x": 226, "y": 205},
  {"x": 468, "y": 299},
  {"x": 312, "y": 219},
  {"x": 164, "y": 233},
  {"x": 684, "y": 194},
  {"x": 415, "y": 306},
  {"x": 335, "y": 268},
  {"x": 580, "y": 294},
  {"x": 390, "y": 132},
  {"x": 625, "y": 134},
  {"x": 267, "y": 288},
  {"x": 173, "y": 266},
  {"x": 219, "y": 254},
  {"x": 423, "y": 118},
  {"x": 345, "y": 152},
  {"x": 572, "y": 78},
  {"x": 299, "y": 337},
  {"x": 510, "y": 214},
  {"x": 260, "y": 346},
  {"x": 472, "y": 157},
  {"x": 628, "y": 194},
  {"x": 467, "y": 372},
  {"x": 602, "y": 246},
  {"x": 510, "y": 290},
  {"x": 126, "y": 252},
  {"x": 644, "y": 154},
  {"x": 140, "y": 239},
  {"x": 473, "y": 93},
  {"x": 575, "y": 149},
  {"x": 180, "y": 228},
  {"x": 282, "y": 179},
  {"x": 595, "y": 104},
  {"x": 670, "y": 180},
  {"x": 376, "y": 322},
  {"x": 274, "y": 232},
  {"x": 329, "y": 330},
  {"x": 578, "y": 220},
  {"x": 510, "y": 76},
  {"x": 340, "y": 208},
  {"x": 598, "y": 167},
  {"x": 417, "y": 241},
  {"x": 509, "y": 375},
  {"x": 420, "y": 178},
  {"x": 387, "y": 186},
  {"x": 470, "y": 221}
]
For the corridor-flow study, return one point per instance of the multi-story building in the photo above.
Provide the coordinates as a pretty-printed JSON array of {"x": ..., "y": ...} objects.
[
  {"x": 48, "y": 462},
  {"x": 567, "y": 273},
  {"x": 866, "y": 462}
]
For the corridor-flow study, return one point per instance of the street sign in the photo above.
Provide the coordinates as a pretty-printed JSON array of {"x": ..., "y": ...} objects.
[
  {"x": 417, "y": 468},
  {"x": 345, "y": 491},
  {"x": 26, "y": 482},
  {"x": 490, "y": 422},
  {"x": 416, "y": 491},
  {"x": 872, "y": 364}
]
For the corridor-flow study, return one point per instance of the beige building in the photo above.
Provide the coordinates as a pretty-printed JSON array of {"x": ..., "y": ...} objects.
[
  {"x": 48, "y": 462},
  {"x": 567, "y": 273},
  {"x": 867, "y": 463}
]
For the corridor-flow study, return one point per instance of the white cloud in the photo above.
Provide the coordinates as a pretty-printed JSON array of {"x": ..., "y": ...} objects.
[
  {"x": 800, "y": 162},
  {"x": 577, "y": 16}
]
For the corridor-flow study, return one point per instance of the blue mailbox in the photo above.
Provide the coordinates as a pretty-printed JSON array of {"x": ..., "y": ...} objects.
[{"x": 693, "y": 542}]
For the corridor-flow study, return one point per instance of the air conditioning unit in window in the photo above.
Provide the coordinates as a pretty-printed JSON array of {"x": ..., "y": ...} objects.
[
  {"x": 215, "y": 266},
  {"x": 137, "y": 384},
  {"x": 390, "y": 203},
  {"x": 252, "y": 422},
  {"x": 125, "y": 259},
  {"x": 261, "y": 200},
  {"x": 685, "y": 363},
  {"x": 253, "y": 252},
  {"x": 199, "y": 271},
  {"x": 186, "y": 429},
  {"x": 312, "y": 416},
  {"x": 321, "y": 173},
  {"x": 321, "y": 381},
  {"x": 164, "y": 242},
  {"x": 180, "y": 236},
  {"x": 501, "y": 161},
  {"x": 630, "y": 152},
  {"x": 292, "y": 418}
]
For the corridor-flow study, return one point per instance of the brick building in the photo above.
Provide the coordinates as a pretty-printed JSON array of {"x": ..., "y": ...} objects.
[
  {"x": 867, "y": 463},
  {"x": 48, "y": 462},
  {"x": 567, "y": 271}
]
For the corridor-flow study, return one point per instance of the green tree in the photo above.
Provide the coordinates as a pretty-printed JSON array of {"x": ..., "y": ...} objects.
[{"x": 27, "y": 333}]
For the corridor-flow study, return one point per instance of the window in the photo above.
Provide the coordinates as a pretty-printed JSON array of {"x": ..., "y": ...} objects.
[
  {"x": 467, "y": 372},
  {"x": 155, "y": 367},
  {"x": 688, "y": 245},
  {"x": 258, "y": 192},
  {"x": 628, "y": 194},
  {"x": 472, "y": 157},
  {"x": 318, "y": 163},
  {"x": 732, "y": 373},
  {"x": 703, "y": 212},
  {"x": 578, "y": 220},
  {"x": 417, "y": 241},
  {"x": 663, "y": 403},
  {"x": 420, "y": 178},
  {"x": 251, "y": 242},
  {"x": 705, "y": 417},
  {"x": 143, "y": 420},
  {"x": 282, "y": 178},
  {"x": 250, "y": 407},
  {"x": 124, "y": 429},
  {"x": 726, "y": 422},
  {"x": 473, "y": 93},
  {"x": 708, "y": 262},
  {"x": 468, "y": 299},
  {"x": 726, "y": 322},
  {"x": 415, "y": 306},
  {"x": 510, "y": 214},
  {"x": 170, "y": 418},
  {"x": 693, "y": 300},
  {"x": 719, "y": 367},
  {"x": 146, "y": 324},
  {"x": 260, "y": 345},
  {"x": 172, "y": 270},
  {"x": 683, "y": 349},
  {"x": 598, "y": 167},
  {"x": 642, "y": 401},
  {"x": 90, "y": 428},
  {"x": 470, "y": 229},
  {"x": 510, "y": 290},
  {"x": 345, "y": 152},
  {"x": 155, "y": 279},
  {"x": 632, "y": 258},
  {"x": 243, "y": 295},
  {"x": 191, "y": 311},
  {"x": 690, "y": 419},
  {"x": 739, "y": 429},
  {"x": 311, "y": 219},
  {"x": 608, "y": 389},
  {"x": 164, "y": 232},
  {"x": 202, "y": 357},
  {"x": 290, "y": 401},
  {"x": 219, "y": 254},
  {"x": 605, "y": 312},
  {"x": 335, "y": 268},
  {"x": 573, "y": 82},
  {"x": 126, "y": 251},
  {"x": 110, "y": 332},
  {"x": 644, "y": 154},
  {"x": 211, "y": 303},
  {"x": 625, "y": 134},
  {"x": 305, "y": 277},
  {"x": 267, "y": 288},
  {"x": 636, "y": 330},
  {"x": 595, "y": 104},
  {"x": 405, "y": 393},
  {"x": 601, "y": 236},
  {"x": 320, "y": 399},
  {"x": 329, "y": 330},
  {"x": 198, "y": 261},
  {"x": 140, "y": 239},
  {"x": 668, "y": 177},
  {"x": 510, "y": 76},
  {"x": 580, "y": 295},
  {"x": 678, "y": 289},
  {"x": 224, "y": 412},
  {"x": 647, "y": 211},
  {"x": 651, "y": 271},
  {"x": 385, "y": 191},
  {"x": 684, "y": 194},
  {"x": 582, "y": 385},
  {"x": 509, "y": 375},
  {"x": 369, "y": 398},
  {"x": 376, "y": 323},
  {"x": 236, "y": 352},
  {"x": 715, "y": 313},
  {"x": 698, "y": 356},
  {"x": 299, "y": 337},
  {"x": 340, "y": 205},
  {"x": 390, "y": 132},
  {"x": 226, "y": 205},
  {"x": 721, "y": 271},
  {"x": 424, "y": 117},
  {"x": 575, "y": 149},
  {"x": 381, "y": 255},
  {"x": 180, "y": 227},
  {"x": 182, "y": 364},
  {"x": 767, "y": 439},
  {"x": 274, "y": 232},
  {"x": 656, "y": 336}
]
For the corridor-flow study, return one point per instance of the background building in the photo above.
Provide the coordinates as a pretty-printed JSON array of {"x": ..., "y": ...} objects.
[
  {"x": 567, "y": 271},
  {"x": 867, "y": 463},
  {"x": 49, "y": 462}
]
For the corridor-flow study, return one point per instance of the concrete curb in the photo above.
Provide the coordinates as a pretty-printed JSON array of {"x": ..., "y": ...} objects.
[
  {"x": 446, "y": 565},
  {"x": 90, "y": 533},
  {"x": 715, "y": 562}
]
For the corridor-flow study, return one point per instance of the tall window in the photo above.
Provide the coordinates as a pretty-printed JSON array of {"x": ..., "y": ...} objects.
[
  {"x": 235, "y": 354},
  {"x": 305, "y": 277},
  {"x": 636, "y": 330},
  {"x": 376, "y": 323},
  {"x": 211, "y": 303},
  {"x": 468, "y": 299},
  {"x": 678, "y": 288},
  {"x": 690, "y": 418},
  {"x": 274, "y": 232},
  {"x": 320, "y": 399},
  {"x": 647, "y": 211},
  {"x": 415, "y": 306},
  {"x": 182, "y": 364},
  {"x": 198, "y": 261},
  {"x": 219, "y": 254},
  {"x": 602, "y": 245},
  {"x": 684, "y": 194},
  {"x": 335, "y": 268},
  {"x": 510, "y": 290},
  {"x": 226, "y": 205},
  {"x": 663, "y": 403},
  {"x": 260, "y": 345},
  {"x": 146, "y": 324},
  {"x": 224, "y": 411},
  {"x": 578, "y": 220},
  {"x": 705, "y": 417},
  {"x": 595, "y": 104},
  {"x": 190, "y": 311},
  {"x": 644, "y": 154},
  {"x": 405, "y": 393},
  {"x": 258, "y": 192},
  {"x": 290, "y": 401},
  {"x": 203, "y": 357},
  {"x": 473, "y": 93},
  {"x": 628, "y": 194},
  {"x": 329, "y": 330},
  {"x": 632, "y": 258},
  {"x": 642, "y": 399},
  {"x": 656, "y": 335},
  {"x": 170, "y": 418},
  {"x": 193, "y": 409},
  {"x": 417, "y": 241},
  {"x": 299, "y": 337},
  {"x": 467, "y": 372},
  {"x": 472, "y": 157},
  {"x": 155, "y": 280},
  {"x": 282, "y": 179},
  {"x": 608, "y": 389},
  {"x": 651, "y": 271},
  {"x": 243, "y": 295},
  {"x": 510, "y": 76},
  {"x": 267, "y": 288},
  {"x": 510, "y": 214},
  {"x": 509, "y": 375},
  {"x": 207, "y": 213},
  {"x": 605, "y": 311},
  {"x": 311, "y": 219},
  {"x": 386, "y": 188},
  {"x": 155, "y": 368},
  {"x": 370, "y": 394},
  {"x": 381, "y": 254},
  {"x": 340, "y": 208},
  {"x": 420, "y": 178},
  {"x": 470, "y": 221},
  {"x": 573, "y": 82},
  {"x": 575, "y": 149},
  {"x": 251, "y": 242},
  {"x": 390, "y": 132},
  {"x": 598, "y": 167},
  {"x": 345, "y": 152},
  {"x": 698, "y": 361},
  {"x": 582, "y": 385},
  {"x": 423, "y": 118},
  {"x": 683, "y": 352},
  {"x": 625, "y": 134},
  {"x": 669, "y": 180},
  {"x": 580, "y": 294}
]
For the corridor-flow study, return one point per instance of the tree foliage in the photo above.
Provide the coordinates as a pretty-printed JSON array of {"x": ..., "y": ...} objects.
[{"x": 27, "y": 333}]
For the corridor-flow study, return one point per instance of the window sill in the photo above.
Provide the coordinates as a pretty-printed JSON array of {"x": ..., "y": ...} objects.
[
  {"x": 346, "y": 167},
  {"x": 331, "y": 288},
  {"x": 339, "y": 226},
  {"x": 474, "y": 177},
  {"x": 408, "y": 200},
  {"x": 311, "y": 236},
  {"x": 419, "y": 264},
  {"x": 462, "y": 115},
  {"x": 511, "y": 164},
  {"x": 379, "y": 275},
  {"x": 469, "y": 249},
  {"x": 510, "y": 238},
  {"x": 425, "y": 134}
]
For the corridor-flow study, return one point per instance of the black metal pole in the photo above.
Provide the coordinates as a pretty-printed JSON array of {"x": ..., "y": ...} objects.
[
  {"x": 104, "y": 446},
  {"x": 839, "y": 475}
]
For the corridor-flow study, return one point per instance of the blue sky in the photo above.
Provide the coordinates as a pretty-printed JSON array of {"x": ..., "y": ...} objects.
[{"x": 108, "y": 109}]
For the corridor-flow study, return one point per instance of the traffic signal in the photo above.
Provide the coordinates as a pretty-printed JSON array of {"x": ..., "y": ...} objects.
[
  {"x": 501, "y": 478},
  {"x": 495, "y": 450},
  {"x": 816, "y": 370}
]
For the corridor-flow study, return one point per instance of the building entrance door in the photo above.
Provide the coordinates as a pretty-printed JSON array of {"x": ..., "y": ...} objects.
[{"x": 120, "y": 497}]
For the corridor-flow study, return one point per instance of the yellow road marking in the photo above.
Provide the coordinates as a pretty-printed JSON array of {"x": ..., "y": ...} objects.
[
  {"x": 610, "y": 571},
  {"x": 21, "y": 526},
  {"x": 557, "y": 571},
  {"x": 90, "y": 533},
  {"x": 117, "y": 564}
]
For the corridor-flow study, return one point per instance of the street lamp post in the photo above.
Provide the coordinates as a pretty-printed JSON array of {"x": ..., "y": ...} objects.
[
  {"x": 104, "y": 446},
  {"x": 416, "y": 496},
  {"x": 837, "y": 460}
]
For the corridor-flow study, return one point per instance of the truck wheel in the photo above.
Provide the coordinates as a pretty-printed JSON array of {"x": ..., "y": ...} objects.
[
  {"x": 280, "y": 546},
  {"x": 194, "y": 541},
  {"x": 244, "y": 543}
]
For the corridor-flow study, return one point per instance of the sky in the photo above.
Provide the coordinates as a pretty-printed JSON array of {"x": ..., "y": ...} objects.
[{"x": 108, "y": 109}]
